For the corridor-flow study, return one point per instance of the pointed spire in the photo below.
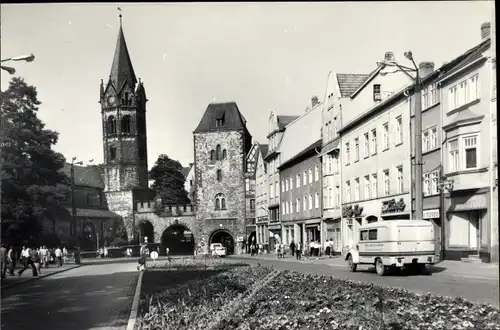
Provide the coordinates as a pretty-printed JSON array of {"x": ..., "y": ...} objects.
[{"x": 122, "y": 70}]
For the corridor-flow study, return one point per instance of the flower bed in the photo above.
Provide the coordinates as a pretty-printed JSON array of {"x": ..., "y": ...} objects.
[
  {"x": 299, "y": 301},
  {"x": 194, "y": 304}
]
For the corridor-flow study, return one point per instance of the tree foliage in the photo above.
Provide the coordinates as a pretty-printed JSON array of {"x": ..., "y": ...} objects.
[
  {"x": 32, "y": 181},
  {"x": 169, "y": 181}
]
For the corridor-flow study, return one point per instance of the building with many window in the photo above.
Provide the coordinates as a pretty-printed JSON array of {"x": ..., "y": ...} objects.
[
  {"x": 277, "y": 126},
  {"x": 300, "y": 178},
  {"x": 467, "y": 154},
  {"x": 251, "y": 162},
  {"x": 375, "y": 154},
  {"x": 261, "y": 199}
]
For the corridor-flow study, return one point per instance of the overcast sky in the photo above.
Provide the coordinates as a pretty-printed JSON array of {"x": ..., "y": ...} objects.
[{"x": 263, "y": 56}]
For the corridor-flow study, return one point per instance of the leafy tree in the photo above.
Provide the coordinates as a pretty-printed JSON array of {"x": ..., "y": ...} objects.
[
  {"x": 169, "y": 181},
  {"x": 32, "y": 182}
]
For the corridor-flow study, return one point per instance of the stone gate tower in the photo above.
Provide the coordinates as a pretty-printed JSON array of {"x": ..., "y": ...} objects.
[
  {"x": 123, "y": 108},
  {"x": 221, "y": 143}
]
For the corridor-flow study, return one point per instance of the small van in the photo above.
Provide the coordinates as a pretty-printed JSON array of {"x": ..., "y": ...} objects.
[{"x": 393, "y": 244}]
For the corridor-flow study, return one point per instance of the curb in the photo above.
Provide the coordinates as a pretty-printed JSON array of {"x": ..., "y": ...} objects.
[
  {"x": 135, "y": 303},
  {"x": 15, "y": 284}
]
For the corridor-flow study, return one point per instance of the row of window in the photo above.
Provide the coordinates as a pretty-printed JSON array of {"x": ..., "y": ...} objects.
[
  {"x": 331, "y": 164},
  {"x": 462, "y": 153},
  {"x": 370, "y": 186},
  {"x": 126, "y": 124},
  {"x": 289, "y": 207},
  {"x": 218, "y": 154},
  {"x": 112, "y": 152},
  {"x": 370, "y": 141},
  {"x": 463, "y": 92},
  {"x": 287, "y": 184}
]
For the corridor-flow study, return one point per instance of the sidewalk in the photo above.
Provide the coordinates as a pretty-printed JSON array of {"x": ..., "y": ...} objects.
[
  {"x": 27, "y": 276},
  {"x": 446, "y": 267}
]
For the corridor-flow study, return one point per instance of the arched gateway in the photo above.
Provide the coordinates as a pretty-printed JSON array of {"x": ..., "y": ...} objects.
[
  {"x": 178, "y": 239},
  {"x": 224, "y": 237}
]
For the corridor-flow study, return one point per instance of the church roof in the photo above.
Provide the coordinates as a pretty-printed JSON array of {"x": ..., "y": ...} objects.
[
  {"x": 90, "y": 176},
  {"x": 228, "y": 112},
  {"x": 122, "y": 70}
]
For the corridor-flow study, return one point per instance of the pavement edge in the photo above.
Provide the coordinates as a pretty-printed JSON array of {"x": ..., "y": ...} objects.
[
  {"x": 15, "y": 284},
  {"x": 135, "y": 303}
]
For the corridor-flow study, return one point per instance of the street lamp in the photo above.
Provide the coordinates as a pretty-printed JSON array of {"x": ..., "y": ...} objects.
[
  {"x": 10, "y": 70},
  {"x": 73, "y": 204},
  {"x": 390, "y": 61}
]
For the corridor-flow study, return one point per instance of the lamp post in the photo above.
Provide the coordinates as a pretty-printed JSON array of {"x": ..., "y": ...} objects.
[
  {"x": 390, "y": 61},
  {"x": 73, "y": 203},
  {"x": 442, "y": 186},
  {"x": 10, "y": 70}
]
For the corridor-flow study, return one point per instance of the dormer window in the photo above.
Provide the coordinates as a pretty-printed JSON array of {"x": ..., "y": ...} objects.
[
  {"x": 219, "y": 118},
  {"x": 376, "y": 93}
]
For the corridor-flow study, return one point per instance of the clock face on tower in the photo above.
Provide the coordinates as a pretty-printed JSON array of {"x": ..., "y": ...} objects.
[{"x": 111, "y": 100}]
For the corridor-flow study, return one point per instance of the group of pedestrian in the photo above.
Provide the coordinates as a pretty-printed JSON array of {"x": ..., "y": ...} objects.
[
  {"x": 34, "y": 258},
  {"x": 102, "y": 252}
]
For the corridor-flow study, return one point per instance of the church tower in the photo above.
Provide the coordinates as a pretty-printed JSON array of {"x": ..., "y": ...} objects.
[{"x": 123, "y": 109}]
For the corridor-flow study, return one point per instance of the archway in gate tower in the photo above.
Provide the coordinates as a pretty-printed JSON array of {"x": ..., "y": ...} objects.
[
  {"x": 224, "y": 237},
  {"x": 146, "y": 229},
  {"x": 178, "y": 239}
]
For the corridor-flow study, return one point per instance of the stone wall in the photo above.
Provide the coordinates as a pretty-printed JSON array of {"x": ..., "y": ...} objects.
[
  {"x": 232, "y": 184},
  {"x": 122, "y": 203}
]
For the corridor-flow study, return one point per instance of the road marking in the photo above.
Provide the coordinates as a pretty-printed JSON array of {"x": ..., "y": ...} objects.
[{"x": 135, "y": 303}]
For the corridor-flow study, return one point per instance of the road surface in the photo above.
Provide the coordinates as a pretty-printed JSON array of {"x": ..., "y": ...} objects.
[
  {"x": 94, "y": 297},
  {"x": 474, "y": 287}
]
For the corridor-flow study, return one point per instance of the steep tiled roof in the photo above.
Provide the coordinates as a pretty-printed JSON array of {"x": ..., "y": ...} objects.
[
  {"x": 302, "y": 133},
  {"x": 228, "y": 112},
  {"x": 350, "y": 82},
  {"x": 122, "y": 69},
  {"x": 264, "y": 148},
  {"x": 466, "y": 58},
  {"x": 285, "y": 120},
  {"x": 91, "y": 176},
  {"x": 185, "y": 171}
]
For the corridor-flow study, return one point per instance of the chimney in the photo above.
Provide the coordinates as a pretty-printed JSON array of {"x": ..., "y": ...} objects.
[
  {"x": 425, "y": 68},
  {"x": 485, "y": 30},
  {"x": 314, "y": 101}
]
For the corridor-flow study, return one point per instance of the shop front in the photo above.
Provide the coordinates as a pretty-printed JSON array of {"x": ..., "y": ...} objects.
[
  {"x": 274, "y": 234},
  {"x": 332, "y": 231},
  {"x": 467, "y": 225},
  {"x": 355, "y": 215},
  {"x": 434, "y": 216}
]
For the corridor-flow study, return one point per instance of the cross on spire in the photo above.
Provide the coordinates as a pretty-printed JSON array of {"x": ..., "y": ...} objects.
[{"x": 120, "y": 15}]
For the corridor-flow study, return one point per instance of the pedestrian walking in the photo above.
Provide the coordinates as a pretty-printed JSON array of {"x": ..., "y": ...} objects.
[
  {"x": 142, "y": 260},
  {"x": 28, "y": 262},
  {"x": 3, "y": 261},
  {"x": 11, "y": 260},
  {"x": 298, "y": 251},
  {"x": 59, "y": 257},
  {"x": 65, "y": 254},
  {"x": 292, "y": 248},
  {"x": 37, "y": 260}
]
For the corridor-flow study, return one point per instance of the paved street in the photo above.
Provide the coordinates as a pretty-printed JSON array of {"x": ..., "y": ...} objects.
[
  {"x": 93, "y": 297},
  {"x": 446, "y": 280}
]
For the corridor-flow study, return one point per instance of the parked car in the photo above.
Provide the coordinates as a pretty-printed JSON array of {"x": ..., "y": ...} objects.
[
  {"x": 218, "y": 250},
  {"x": 394, "y": 244}
]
